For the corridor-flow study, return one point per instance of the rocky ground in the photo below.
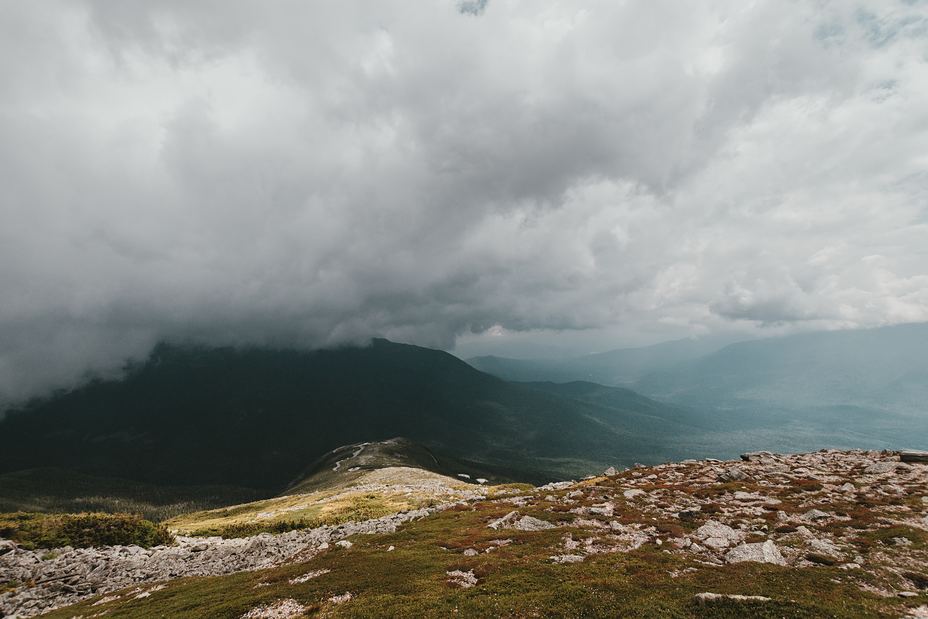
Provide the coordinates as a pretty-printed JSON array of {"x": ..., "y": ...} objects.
[
  {"x": 845, "y": 531},
  {"x": 858, "y": 511},
  {"x": 44, "y": 579}
]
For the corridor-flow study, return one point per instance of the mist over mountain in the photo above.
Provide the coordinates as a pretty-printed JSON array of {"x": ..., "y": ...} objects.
[{"x": 624, "y": 366}]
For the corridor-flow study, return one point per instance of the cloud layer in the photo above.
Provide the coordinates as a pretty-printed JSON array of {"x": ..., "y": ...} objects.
[{"x": 311, "y": 174}]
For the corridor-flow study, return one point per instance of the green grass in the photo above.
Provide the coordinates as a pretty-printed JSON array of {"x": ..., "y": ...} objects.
[
  {"x": 517, "y": 580},
  {"x": 32, "y": 530}
]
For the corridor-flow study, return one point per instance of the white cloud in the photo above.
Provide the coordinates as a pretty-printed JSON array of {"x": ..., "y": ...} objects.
[{"x": 244, "y": 172}]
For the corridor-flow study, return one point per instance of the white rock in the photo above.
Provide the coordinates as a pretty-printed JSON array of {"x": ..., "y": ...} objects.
[
  {"x": 815, "y": 514},
  {"x": 880, "y": 468},
  {"x": 567, "y": 558},
  {"x": 341, "y": 599},
  {"x": 714, "y": 534},
  {"x": 308, "y": 576},
  {"x": 281, "y": 609},
  {"x": 705, "y": 598},
  {"x": 760, "y": 552},
  {"x": 525, "y": 523},
  {"x": 462, "y": 579}
]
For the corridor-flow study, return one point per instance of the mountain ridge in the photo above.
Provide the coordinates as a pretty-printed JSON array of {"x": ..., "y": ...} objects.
[{"x": 258, "y": 417}]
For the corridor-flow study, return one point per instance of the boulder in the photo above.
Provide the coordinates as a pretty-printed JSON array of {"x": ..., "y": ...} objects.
[
  {"x": 462, "y": 579},
  {"x": 760, "y": 552},
  {"x": 914, "y": 456},
  {"x": 756, "y": 456},
  {"x": 881, "y": 468},
  {"x": 716, "y": 535},
  {"x": 6, "y": 546},
  {"x": 706, "y": 598},
  {"x": 733, "y": 473},
  {"x": 525, "y": 523},
  {"x": 530, "y": 523},
  {"x": 505, "y": 522}
]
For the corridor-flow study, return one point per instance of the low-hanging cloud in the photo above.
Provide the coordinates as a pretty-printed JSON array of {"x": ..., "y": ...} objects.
[{"x": 293, "y": 173}]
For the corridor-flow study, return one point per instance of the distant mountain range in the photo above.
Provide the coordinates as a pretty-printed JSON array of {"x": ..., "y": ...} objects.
[
  {"x": 252, "y": 421},
  {"x": 618, "y": 368},
  {"x": 870, "y": 383},
  {"x": 257, "y": 418}
]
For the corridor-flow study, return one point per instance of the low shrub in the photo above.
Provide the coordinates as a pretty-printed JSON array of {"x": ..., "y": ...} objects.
[{"x": 32, "y": 530}]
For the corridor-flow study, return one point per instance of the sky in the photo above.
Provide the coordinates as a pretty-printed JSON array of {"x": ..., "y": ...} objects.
[{"x": 552, "y": 176}]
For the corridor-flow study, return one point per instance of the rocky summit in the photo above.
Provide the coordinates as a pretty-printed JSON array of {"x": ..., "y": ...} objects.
[{"x": 830, "y": 533}]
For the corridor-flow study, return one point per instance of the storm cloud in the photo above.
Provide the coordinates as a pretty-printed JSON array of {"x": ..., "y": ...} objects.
[{"x": 311, "y": 174}]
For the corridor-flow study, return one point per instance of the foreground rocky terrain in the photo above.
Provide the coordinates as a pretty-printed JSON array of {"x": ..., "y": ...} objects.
[{"x": 830, "y": 533}]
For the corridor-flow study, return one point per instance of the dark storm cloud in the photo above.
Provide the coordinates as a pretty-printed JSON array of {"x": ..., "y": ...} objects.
[{"x": 290, "y": 173}]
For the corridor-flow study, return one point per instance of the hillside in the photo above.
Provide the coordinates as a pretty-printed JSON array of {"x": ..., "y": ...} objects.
[
  {"x": 840, "y": 534},
  {"x": 352, "y": 482},
  {"x": 258, "y": 418}
]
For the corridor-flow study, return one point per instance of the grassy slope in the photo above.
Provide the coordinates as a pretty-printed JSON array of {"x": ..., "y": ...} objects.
[
  {"x": 352, "y": 499},
  {"x": 515, "y": 581}
]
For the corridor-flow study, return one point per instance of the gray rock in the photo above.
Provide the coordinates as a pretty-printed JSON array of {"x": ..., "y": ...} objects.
[
  {"x": 913, "y": 456},
  {"x": 529, "y": 523},
  {"x": 716, "y": 535},
  {"x": 881, "y": 468},
  {"x": 733, "y": 473},
  {"x": 610, "y": 472},
  {"x": 567, "y": 558},
  {"x": 706, "y": 598},
  {"x": 525, "y": 523},
  {"x": 760, "y": 552},
  {"x": 756, "y": 456},
  {"x": 815, "y": 514},
  {"x": 462, "y": 579}
]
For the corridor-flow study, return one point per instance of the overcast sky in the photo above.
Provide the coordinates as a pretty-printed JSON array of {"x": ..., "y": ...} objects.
[{"x": 582, "y": 175}]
